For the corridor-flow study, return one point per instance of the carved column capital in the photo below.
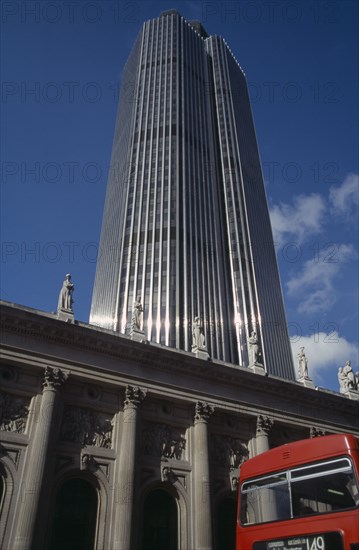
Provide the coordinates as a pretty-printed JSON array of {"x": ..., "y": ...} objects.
[
  {"x": 54, "y": 378},
  {"x": 264, "y": 425},
  {"x": 203, "y": 411},
  {"x": 316, "y": 432},
  {"x": 134, "y": 396}
]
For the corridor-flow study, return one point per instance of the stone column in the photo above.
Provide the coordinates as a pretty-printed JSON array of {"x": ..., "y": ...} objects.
[
  {"x": 125, "y": 475},
  {"x": 267, "y": 504},
  {"x": 202, "y": 517},
  {"x": 264, "y": 426},
  {"x": 36, "y": 462}
]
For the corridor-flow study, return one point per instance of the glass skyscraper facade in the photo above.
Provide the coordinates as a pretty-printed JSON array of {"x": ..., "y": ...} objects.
[{"x": 186, "y": 225}]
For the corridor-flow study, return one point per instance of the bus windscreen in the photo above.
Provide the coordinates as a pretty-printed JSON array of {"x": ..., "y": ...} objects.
[{"x": 312, "y": 489}]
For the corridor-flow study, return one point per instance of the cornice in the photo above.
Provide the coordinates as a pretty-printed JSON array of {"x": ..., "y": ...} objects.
[{"x": 45, "y": 327}]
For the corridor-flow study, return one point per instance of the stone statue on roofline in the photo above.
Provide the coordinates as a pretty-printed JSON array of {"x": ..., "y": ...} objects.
[
  {"x": 303, "y": 374},
  {"x": 255, "y": 354},
  {"x": 137, "y": 310},
  {"x": 348, "y": 381},
  {"x": 302, "y": 364},
  {"x": 65, "y": 301},
  {"x": 349, "y": 373},
  {"x": 254, "y": 349},
  {"x": 198, "y": 339},
  {"x": 137, "y": 332},
  {"x": 199, "y": 346},
  {"x": 65, "y": 298}
]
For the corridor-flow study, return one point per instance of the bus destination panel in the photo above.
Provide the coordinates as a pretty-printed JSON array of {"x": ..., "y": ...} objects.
[{"x": 322, "y": 541}]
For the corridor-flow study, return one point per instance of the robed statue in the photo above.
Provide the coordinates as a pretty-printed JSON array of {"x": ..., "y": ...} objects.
[{"x": 65, "y": 297}]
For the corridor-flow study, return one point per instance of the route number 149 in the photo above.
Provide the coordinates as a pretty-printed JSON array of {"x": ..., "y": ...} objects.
[{"x": 317, "y": 544}]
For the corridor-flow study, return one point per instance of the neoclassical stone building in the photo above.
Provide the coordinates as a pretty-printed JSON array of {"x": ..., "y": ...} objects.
[{"x": 112, "y": 444}]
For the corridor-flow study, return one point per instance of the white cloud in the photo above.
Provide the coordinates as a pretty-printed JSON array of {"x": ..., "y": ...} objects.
[
  {"x": 314, "y": 284},
  {"x": 303, "y": 219},
  {"x": 345, "y": 198},
  {"x": 325, "y": 353},
  {"x": 306, "y": 216}
]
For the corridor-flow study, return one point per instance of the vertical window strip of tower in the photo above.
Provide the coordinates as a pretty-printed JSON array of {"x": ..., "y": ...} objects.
[
  {"x": 148, "y": 232},
  {"x": 246, "y": 194},
  {"x": 243, "y": 243},
  {"x": 228, "y": 331},
  {"x": 228, "y": 175},
  {"x": 103, "y": 309},
  {"x": 127, "y": 298}
]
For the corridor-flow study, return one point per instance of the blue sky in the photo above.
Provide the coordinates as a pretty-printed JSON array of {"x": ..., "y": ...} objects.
[{"x": 61, "y": 70}]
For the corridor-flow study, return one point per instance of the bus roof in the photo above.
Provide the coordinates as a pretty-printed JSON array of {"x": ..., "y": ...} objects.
[{"x": 299, "y": 452}]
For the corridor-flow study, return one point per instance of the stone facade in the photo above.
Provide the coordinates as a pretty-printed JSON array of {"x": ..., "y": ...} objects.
[{"x": 130, "y": 422}]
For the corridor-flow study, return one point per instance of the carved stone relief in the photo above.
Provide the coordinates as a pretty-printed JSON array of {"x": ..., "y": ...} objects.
[
  {"x": 13, "y": 413},
  {"x": 163, "y": 441},
  {"x": 88, "y": 462},
  {"x": 87, "y": 427},
  {"x": 234, "y": 483},
  {"x": 227, "y": 451},
  {"x": 167, "y": 475}
]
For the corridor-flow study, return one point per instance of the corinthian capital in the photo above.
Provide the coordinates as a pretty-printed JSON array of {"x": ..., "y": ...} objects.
[
  {"x": 203, "y": 411},
  {"x": 264, "y": 425},
  {"x": 54, "y": 378},
  {"x": 316, "y": 432},
  {"x": 134, "y": 396}
]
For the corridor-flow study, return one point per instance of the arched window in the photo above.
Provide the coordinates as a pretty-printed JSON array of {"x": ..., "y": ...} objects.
[
  {"x": 226, "y": 524},
  {"x": 75, "y": 515},
  {"x": 159, "y": 522}
]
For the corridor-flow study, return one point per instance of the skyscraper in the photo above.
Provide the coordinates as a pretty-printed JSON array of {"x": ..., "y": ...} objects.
[{"x": 186, "y": 225}]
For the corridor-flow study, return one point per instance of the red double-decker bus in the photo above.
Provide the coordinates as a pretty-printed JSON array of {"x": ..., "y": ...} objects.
[{"x": 301, "y": 496}]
